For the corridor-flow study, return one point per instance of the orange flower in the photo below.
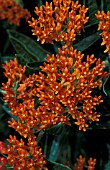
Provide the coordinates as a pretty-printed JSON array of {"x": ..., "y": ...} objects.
[
  {"x": 104, "y": 25},
  {"x": 61, "y": 86},
  {"x": 91, "y": 164},
  {"x": 22, "y": 156},
  {"x": 60, "y": 23},
  {"x": 80, "y": 163},
  {"x": 12, "y": 11}
]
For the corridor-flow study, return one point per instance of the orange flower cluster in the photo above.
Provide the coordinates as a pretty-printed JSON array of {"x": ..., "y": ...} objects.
[
  {"x": 59, "y": 21},
  {"x": 64, "y": 85},
  {"x": 12, "y": 11},
  {"x": 21, "y": 156},
  {"x": 81, "y": 164},
  {"x": 104, "y": 25}
]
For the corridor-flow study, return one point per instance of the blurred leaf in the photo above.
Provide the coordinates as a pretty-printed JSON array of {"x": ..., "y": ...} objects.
[
  {"x": 93, "y": 8},
  {"x": 5, "y": 59},
  {"x": 19, "y": 2},
  {"x": 55, "y": 130},
  {"x": 22, "y": 59},
  {"x": 87, "y": 42},
  {"x": 39, "y": 3},
  {"x": 25, "y": 45},
  {"x": 7, "y": 110},
  {"x": 106, "y": 86},
  {"x": 4, "y": 128},
  {"x": 100, "y": 125},
  {"x": 107, "y": 166},
  {"x": 34, "y": 65},
  {"x": 54, "y": 150},
  {"x": 56, "y": 166},
  {"x": 108, "y": 5}
]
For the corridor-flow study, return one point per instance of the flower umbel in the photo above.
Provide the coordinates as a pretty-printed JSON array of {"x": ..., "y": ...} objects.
[
  {"x": 22, "y": 156},
  {"x": 104, "y": 25},
  {"x": 81, "y": 164},
  {"x": 65, "y": 85},
  {"x": 12, "y": 11},
  {"x": 59, "y": 21}
]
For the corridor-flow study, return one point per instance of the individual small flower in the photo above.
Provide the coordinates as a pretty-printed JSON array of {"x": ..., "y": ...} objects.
[
  {"x": 80, "y": 163},
  {"x": 2, "y": 147},
  {"x": 3, "y": 160},
  {"x": 22, "y": 156},
  {"x": 15, "y": 74},
  {"x": 104, "y": 26},
  {"x": 3, "y": 167},
  {"x": 13, "y": 11},
  {"x": 60, "y": 20},
  {"x": 91, "y": 164}
]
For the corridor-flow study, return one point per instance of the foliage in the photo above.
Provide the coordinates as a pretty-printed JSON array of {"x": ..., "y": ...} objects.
[{"x": 61, "y": 141}]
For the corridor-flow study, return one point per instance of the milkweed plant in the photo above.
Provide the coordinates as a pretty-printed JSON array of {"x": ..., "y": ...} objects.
[{"x": 54, "y": 94}]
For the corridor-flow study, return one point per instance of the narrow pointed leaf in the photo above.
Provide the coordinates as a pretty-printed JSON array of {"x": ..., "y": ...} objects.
[
  {"x": 27, "y": 46},
  {"x": 56, "y": 166},
  {"x": 87, "y": 42},
  {"x": 93, "y": 8},
  {"x": 106, "y": 86},
  {"x": 55, "y": 130}
]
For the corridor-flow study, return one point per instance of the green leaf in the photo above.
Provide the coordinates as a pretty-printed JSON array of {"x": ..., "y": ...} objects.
[
  {"x": 55, "y": 130},
  {"x": 106, "y": 86},
  {"x": 56, "y": 166},
  {"x": 87, "y": 42},
  {"x": 34, "y": 65},
  {"x": 39, "y": 3},
  {"x": 25, "y": 45},
  {"x": 93, "y": 8},
  {"x": 107, "y": 166},
  {"x": 108, "y": 5},
  {"x": 5, "y": 59}
]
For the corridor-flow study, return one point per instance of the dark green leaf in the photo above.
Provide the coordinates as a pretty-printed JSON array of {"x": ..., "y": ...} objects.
[
  {"x": 108, "y": 5},
  {"x": 34, "y": 65},
  {"x": 5, "y": 59},
  {"x": 7, "y": 110},
  {"x": 55, "y": 130},
  {"x": 25, "y": 45},
  {"x": 93, "y": 8},
  {"x": 56, "y": 166},
  {"x": 39, "y": 3},
  {"x": 106, "y": 86},
  {"x": 87, "y": 42}
]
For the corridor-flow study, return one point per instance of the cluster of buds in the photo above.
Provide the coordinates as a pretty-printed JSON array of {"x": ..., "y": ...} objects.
[
  {"x": 65, "y": 83},
  {"x": 63, "y": 86},
  {"x": 59, "y": 21},
  {"x": 104, "y": 25},
  {"x": 81, "y": 164},
  {"x": 3, "y": 160},
  {"x": 13, "y": 11}
]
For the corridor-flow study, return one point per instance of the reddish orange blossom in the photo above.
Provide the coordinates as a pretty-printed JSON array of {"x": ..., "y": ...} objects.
[
  {"x": 60, "y": 20},
  {"x": 13, "y": 12}
]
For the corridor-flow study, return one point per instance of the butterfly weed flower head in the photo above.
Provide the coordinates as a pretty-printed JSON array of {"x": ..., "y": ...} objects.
[
  {"x": 81, "y": 163},
  {"x": 60, "y": 20},
  {"x": 65, "y": 85},
  {"x": 13, "y": 12},
  {"x": 104, "y": 26},
  {"x": 25, "y": 156}
]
